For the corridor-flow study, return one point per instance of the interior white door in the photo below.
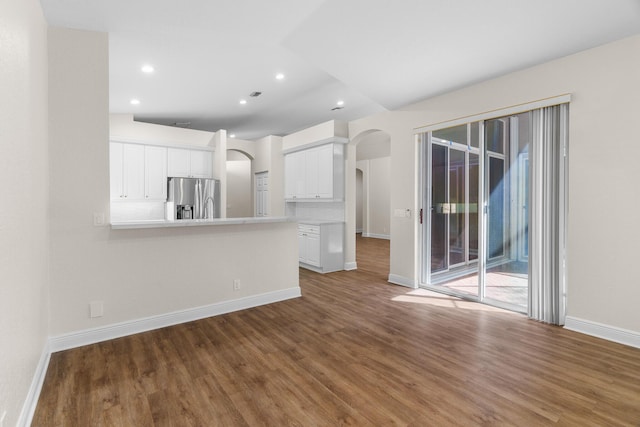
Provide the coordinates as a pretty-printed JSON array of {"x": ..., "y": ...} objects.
[{"x": 262, "y": 193}]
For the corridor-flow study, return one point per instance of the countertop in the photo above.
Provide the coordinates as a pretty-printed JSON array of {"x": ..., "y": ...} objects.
[{"x": 199, "y": 222}]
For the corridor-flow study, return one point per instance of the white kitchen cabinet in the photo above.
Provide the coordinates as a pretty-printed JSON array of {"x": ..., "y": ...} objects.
[
  {"x": 178, "y": 162},
  {"x": 201, "y": 164},
  {"x": 184, "y": 162},
  {"x": 326, "y": 171},
  {"x": 315, "y": 173},
  {"x": 155, "y": 171},
  {"x": 294, "y": 165},
  {"x": 320, "y": 246},
  {"x": 127, "y": 178}
]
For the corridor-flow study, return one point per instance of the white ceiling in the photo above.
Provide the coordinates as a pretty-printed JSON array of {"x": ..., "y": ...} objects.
[{"x": 372, "y": 54}]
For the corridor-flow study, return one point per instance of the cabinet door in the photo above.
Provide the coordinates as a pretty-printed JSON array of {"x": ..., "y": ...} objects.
[
  {"x": 178, "y": 162},
  {"x": 116, "y": 170},
  {"x": 311, "y": 173},
  {"x": 324, "y": 187},
  {"x": 201, "y": 164},
  {"x": 133, "y": 159},
  {"x": 155, "y": 170},
  {"x": 289, "y": 178},
  {"x": 313, "y": 249},
  {"x": 295, "y": 166},
  {"x": 302, "y": 247}
]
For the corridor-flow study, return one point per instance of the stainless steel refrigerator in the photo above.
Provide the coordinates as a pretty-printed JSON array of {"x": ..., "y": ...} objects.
[{"x": 192, "y": 198}]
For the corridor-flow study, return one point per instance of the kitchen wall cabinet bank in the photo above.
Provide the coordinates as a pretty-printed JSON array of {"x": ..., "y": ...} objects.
[
  {"x": 320, "y": 246},
  {"x": 190, "y": 163},
  {"x": 315, "y": 173},
  {"x": 137, "y": 172}
]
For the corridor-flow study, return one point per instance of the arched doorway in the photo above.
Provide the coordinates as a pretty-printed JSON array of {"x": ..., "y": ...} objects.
[{"x": 369, "y": 204}]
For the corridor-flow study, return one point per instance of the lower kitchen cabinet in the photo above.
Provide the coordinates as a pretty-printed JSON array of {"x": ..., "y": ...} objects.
[{"x": 321, "y": 246}]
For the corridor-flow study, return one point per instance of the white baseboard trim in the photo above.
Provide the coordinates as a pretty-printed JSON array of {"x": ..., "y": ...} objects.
[
  {"x": 117, "y": 330},
  {"x": 402, "y": 281},
  {"x": 350, "y": 266},
  {"x": 377, "y": 236},
  {"x": 607, "y": 332},
  {"x": 30, "y": 403}
]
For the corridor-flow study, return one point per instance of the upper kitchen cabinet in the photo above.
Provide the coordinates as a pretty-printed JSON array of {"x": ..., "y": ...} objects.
[
  {"x": 155, "y": 173},
  {"x": 190, "y": 163},
  {"x": 315, "y": 173},
  {"x": 137, "y": 172},
  {"x": 127, "y": 176}
]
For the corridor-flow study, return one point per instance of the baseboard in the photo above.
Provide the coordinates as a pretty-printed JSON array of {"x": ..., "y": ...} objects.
[
  {"x": 350, "y": 266},
  {"x": 30, "y": 403},
  {"x": 611, "y": 333},
  {"x": 104, "y": 333},
  {"x": 402, "y": 281},
  {"x": 377, "y": 236}
]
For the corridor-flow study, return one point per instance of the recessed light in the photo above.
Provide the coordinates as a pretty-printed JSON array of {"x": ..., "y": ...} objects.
[
  {"x": 135, "y": 102},
  {"x": 233, "y": 135},
  {"x": 340, "y": 103},
  {"x": 147, "y": 69},
  {"x": 243, "y": 101},
  {"x": 279, "y": 76}
]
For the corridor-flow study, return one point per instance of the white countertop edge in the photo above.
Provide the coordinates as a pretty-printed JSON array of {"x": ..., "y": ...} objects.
[{"x": 199, "y": 222}]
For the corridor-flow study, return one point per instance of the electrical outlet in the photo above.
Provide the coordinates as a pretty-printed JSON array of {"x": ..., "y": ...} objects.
[
  {"x": 96, "y": 309},
  {"x": 98, "y": 219},
  {"x": 236, "y": 284}
]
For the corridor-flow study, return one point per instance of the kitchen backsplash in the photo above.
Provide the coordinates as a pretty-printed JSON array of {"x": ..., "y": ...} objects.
[
  {"x": 331, "y": 211},
  {"x": 136, "y": 211}
]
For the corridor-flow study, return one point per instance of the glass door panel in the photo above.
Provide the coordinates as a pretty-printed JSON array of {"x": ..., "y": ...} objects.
[
  {"x": 454, "y": 214},
  {"x": 507, "y": 179},
  {"x": 474, "y": 188},
  {"x": 439, "y": 200},
  {"x": 496, "y": 214},
  {"x": 457, "y": 211}
]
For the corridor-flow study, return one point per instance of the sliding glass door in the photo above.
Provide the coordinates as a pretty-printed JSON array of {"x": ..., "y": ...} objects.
[{"x": 477, "y": 201}]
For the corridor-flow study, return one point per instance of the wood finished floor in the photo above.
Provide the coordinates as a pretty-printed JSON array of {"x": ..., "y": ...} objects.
[{"x": 354, "y": 350}]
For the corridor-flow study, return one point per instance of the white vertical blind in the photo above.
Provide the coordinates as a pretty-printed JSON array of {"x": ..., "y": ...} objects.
[{"x": 547, "y": 275}]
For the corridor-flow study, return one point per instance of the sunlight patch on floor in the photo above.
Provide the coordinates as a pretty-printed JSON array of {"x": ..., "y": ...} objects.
[{"x": 423, "y": 296}]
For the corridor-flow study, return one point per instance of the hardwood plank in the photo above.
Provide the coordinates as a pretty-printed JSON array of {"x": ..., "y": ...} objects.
[{"x": 354, "y": 350}]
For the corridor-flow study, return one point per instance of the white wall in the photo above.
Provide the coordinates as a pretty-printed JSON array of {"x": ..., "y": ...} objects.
[
  {"x": 136, "y": 273},
  {"x": 359, "y": 200},
  {"x": 326, "y": 130},
  {"x": 24, "y": 213},
  {"x": 123, "y": 126},
  {"x": 602, "y": 243},
  {"x": 239, "y": 188},
  {"x": 269, "y": 158}
]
